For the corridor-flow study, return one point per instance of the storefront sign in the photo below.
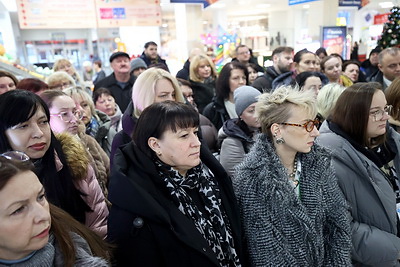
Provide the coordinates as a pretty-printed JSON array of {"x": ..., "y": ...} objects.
[
  {"x": 334, "y": 40},
  {"x": 381, "y": 18},
  {"x": 296, "y": 2},
  {"x": 56, "y": 14},
  {"x": 128, "y": 13},
  {"x": 76, "y": 14}
]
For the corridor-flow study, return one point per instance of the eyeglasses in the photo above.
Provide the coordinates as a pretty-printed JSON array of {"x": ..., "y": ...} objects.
[
  {"x": 378, "y": 114},
  {"x": 69, "y": 115},
  {"x": 245, "y": 53},
  {"x": 15, "y": 155},
  {"x": 309, "y": 125}
]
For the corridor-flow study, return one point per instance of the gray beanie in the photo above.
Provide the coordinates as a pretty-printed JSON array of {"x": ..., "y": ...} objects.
[
  {"x": 138, "y": 63},
  {"x": 244, "y": 96}
]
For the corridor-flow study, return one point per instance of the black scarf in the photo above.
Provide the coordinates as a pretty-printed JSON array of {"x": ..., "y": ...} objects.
[
  {"x": 369, "y": 153},
  {"x": 214, "y": 225}
]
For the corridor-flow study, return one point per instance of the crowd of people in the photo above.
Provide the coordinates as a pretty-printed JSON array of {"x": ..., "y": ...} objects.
[{"x": 294, "y": 164}]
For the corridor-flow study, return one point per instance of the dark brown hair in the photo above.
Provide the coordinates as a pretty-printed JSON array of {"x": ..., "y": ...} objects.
[
  {"x": 351, "y": 112},
  {"x": 99, "y": 92},
  {"x": 349, "y": 62},
  {"x": 222, "y": 88},
  {"x": 32, "y": 84}
]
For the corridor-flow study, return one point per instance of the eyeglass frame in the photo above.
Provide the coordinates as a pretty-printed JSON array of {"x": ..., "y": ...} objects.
[
  {"x": 387, "y": 109},
  {"x": 70, "y": 118},
  {"x": 315, "y": 123}
]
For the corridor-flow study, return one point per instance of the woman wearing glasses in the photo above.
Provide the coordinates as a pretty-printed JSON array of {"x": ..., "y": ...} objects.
[
  {"x": 66, "y": 118},
  {"x": 97, "y": 123},
  {"x": 292, "y": 210},
  {"x": 366, "y": 160},
  {"x": 62, "y": 165}
]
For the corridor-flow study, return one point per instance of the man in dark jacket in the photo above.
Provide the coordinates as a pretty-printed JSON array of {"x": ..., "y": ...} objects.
[
  {"x": 150, "y": 56},
  {"x": 244, "y": 56},
  {"x": 119, "y": 82},
  {"x": 389, "y": 67},
  {"x": 370, "y": 66},
  {"x": 282, "y": 58}
]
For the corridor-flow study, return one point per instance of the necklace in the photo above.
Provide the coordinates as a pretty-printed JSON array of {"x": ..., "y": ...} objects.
[{"x": 292, "y": 176}]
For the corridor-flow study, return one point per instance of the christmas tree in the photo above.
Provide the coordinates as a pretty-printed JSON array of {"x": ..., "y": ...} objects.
[{"x": 391, "y": 30}]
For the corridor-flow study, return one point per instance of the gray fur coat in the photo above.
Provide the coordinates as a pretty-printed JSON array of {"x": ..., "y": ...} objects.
[{"x": 282, "y": 229}]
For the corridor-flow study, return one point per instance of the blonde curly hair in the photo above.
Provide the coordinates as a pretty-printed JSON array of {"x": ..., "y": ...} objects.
[{"x": 276, "y": 107}]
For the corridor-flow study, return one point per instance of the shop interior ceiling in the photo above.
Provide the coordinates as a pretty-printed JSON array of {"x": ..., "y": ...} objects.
[{"x": 237, "y": 9}]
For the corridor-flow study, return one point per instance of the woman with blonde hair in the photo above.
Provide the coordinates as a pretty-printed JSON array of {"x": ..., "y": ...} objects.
[
  {"x": 63, "y": 64},
  {"x": 327, "y": 98},
  {"x": 292, "y": 210},
  {"x": 97, "y": 123},
  {"x": 152, "y": 86},
  {"x": 60, "y": 80},
  {"x": 202, "y": 75}
]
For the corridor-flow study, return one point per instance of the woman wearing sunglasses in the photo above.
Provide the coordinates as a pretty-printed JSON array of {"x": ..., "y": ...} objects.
[
  {"x": 34, "y": 232},
  {"x": 366, "y": 160},
  {"x": 292, "y": 210},
  {"x": 62, "y": 165}
]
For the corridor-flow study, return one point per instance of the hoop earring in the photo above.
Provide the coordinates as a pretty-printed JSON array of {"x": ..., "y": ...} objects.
[{"x": 280, "y": 141}]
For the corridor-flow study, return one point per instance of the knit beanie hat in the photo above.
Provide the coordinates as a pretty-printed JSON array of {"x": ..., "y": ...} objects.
[
  {"x": 244, "y": 96},
  {"x": 138, "y": 63}
]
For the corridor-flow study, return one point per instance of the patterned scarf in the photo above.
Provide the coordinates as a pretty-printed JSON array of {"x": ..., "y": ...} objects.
[
  {"x": 92, "y": 127},
  {"x": 214, "y": 225}
]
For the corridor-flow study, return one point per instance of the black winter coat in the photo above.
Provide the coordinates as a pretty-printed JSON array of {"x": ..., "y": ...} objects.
[
  {"x": 147, "y": 227},
  {"x": 203, "y": 94},
  {"x": 122, "y": 96},
  {"x": 216, "y": 112},
  {"x": 264, "y": 83}
]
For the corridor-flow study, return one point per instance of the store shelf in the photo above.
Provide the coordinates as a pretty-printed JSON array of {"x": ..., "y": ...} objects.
[{"x": 19, "y": 71}]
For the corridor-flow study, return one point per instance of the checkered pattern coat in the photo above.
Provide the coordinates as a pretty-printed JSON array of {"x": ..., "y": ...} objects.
[{"x": 282, "y": 229}]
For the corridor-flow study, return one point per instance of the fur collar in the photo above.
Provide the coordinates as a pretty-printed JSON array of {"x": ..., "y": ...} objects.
[{"x": 75, "y": 154}]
